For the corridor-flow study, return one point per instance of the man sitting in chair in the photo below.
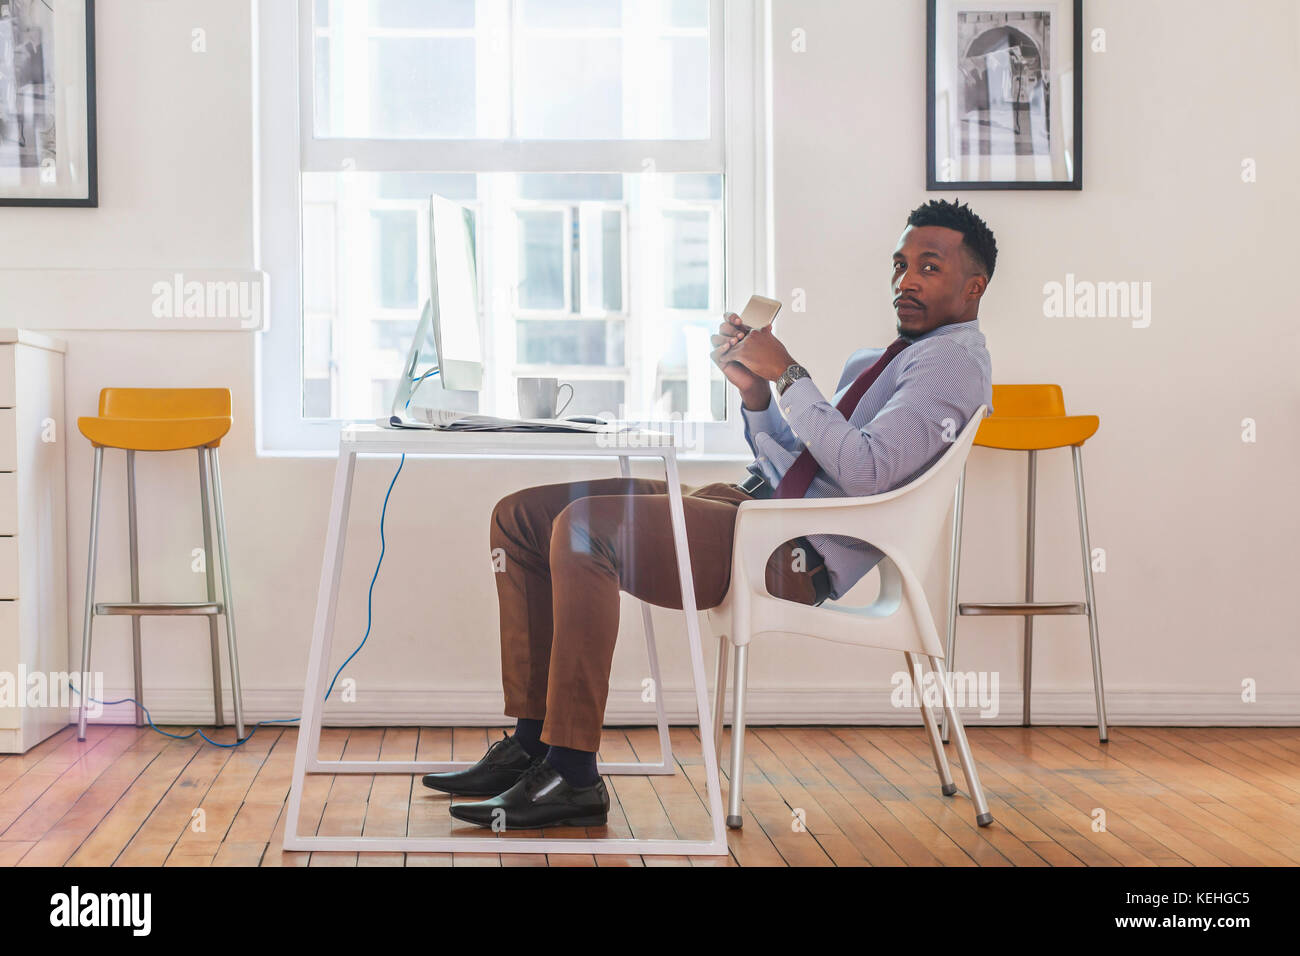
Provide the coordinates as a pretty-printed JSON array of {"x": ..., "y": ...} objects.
[{"x": 570, "y": 548}]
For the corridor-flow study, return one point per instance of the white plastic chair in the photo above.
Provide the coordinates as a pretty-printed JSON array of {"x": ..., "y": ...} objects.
[{"x": 905, "y": 524}]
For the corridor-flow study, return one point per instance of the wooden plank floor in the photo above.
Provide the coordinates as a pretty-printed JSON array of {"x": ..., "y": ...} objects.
[{"x": 814, "y": 796}]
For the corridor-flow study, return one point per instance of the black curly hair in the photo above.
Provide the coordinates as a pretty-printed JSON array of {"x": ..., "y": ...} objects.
[{"x": 977, "y": 238}]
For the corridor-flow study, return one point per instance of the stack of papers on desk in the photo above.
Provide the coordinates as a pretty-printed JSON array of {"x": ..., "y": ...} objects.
[{"x": 449, "y": 419}]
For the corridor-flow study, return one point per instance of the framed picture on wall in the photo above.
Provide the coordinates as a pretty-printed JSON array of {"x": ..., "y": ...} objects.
[
  {"x": 1004, "y": 91},
  {"x": 47, "y": 103}
]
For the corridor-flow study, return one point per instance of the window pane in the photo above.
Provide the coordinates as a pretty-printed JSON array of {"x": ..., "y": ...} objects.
[
  {"x": 395, "y": 69},
  {"x": 323, "y": 104},
  {"x": 572, "y": 14},
  {"x": 318, "y": 344},
  {"x": 639, "y": 70},
  {"x": 604, "y": 398},
  {"x": 419, "y": 89},
  {"x": 569, "y": 341},
  {"x": 421, "y": 14},
  {"x": 686, "y": 260},
  {"x": 676, "y": 391},
  {"x": 561, "y": 69},
  {"x": 396, "y": 281},
  {"x": 612, "y": 260},
  {"x": 573, "y": 186},
  {"x": 393, "y": 336},
  {"x": 362, "y": 240},
  {"x": 688, "y": 13},
  {"x": 458, "y": 186},
  {"x": 637, "y": 248},
  {"x": 697, "y": 186},
  {"x": 673, "y": 356},
  {"x": 569, "y": 88},
  {"x": 541, "y": 259},
  {"x": 316, "y": 398},
  {"x": 318, "y": 281},
  {"x": 686, "y": 82}
]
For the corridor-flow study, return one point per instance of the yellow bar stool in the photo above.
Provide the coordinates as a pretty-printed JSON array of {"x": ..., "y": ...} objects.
[
  {"x": 1032, "y": 418},
  {"x": 164, "y": 419}
]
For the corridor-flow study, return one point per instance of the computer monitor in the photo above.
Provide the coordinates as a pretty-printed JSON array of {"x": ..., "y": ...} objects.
[{"x": 450, "y": 316}]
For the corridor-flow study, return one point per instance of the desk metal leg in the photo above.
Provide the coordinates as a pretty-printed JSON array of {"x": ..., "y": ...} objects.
[
  {"x": 685, "y": 575},
  {"x": 666, "y": 764},
  {"x": 306, "y": 758},
  {"x": 327, "y": 601}
]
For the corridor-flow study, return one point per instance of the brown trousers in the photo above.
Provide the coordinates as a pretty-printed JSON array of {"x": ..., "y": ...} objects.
[{"x": 563, "y": 552}]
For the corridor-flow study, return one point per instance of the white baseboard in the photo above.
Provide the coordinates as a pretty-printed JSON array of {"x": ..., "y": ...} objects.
[{"x": 780, "y": 705}]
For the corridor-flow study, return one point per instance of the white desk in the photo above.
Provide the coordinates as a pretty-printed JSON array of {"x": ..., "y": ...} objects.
[{"x": 357, "y": 440}]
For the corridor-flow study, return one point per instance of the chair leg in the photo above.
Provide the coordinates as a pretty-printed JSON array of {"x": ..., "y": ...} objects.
[
  {"x": 734, "y": 820},
  {"x": 210, "y": 572},
  {"x": 954, "y": 567},
  {"x": 982, "y": 815},
  {"x": 133, "y": 546},
  {"x": 931, "y": 729},
  {"x": 228, "y": 604},
  {"x": 719, "y": 695},
  {"x": 1098, "y": 689},
  {"x": 88, "y": 620},
  {"x": 1028, "y": 681}
]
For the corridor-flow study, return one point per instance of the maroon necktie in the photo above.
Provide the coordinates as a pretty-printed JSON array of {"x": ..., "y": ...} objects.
[{"x": 795, "y": 482}]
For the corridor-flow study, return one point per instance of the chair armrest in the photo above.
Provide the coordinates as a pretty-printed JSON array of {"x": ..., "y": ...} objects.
[{"x": 762, "y": 526}]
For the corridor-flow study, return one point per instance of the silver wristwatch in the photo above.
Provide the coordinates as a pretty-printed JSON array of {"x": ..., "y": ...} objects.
[{"x": 789, "y": 377}]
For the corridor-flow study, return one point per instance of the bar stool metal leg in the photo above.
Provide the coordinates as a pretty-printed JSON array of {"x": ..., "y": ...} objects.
[
  {"x": 1029, "y": 585},
  {"x": 954, "y": 567},
  {"x": 210, "y": 572},
  {"x": 88, "y": 622},
  {"x": 719, "y": 695},
  {"x": 734, "y": 819},
  {"x": 1097, "y": 687},
  {"x": 133, "y": 544},
  {"x": 227, "y": 601}
]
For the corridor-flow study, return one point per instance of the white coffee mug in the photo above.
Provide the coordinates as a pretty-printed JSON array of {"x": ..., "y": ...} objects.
[{"x": 538, "y": 397}]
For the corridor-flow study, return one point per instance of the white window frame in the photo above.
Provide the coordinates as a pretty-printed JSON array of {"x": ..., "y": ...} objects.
[{"x": 739, "y": 145}]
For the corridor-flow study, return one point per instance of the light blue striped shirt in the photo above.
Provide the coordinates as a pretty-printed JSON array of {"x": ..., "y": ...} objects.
[{"x": 930, "y": 390}]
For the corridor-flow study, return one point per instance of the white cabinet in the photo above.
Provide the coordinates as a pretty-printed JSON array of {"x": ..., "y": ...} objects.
[{"x": 34, "y": 434}]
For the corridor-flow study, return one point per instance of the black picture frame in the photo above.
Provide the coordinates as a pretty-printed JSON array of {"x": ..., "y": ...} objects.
[
  {"x": 91, "y": 199},
  {"x": 1075, "y": 161}
]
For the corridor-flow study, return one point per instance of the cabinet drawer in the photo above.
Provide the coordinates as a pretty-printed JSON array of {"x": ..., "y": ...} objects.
[
  {"x": 8, "y": 384},
  {"x": 8, "y": 502},
  {"x": 8, "y": 440},
  {"x": 10, "y": 650},
  {"x": 10, "y": 659},
  {"x": 8, "y": 569}
]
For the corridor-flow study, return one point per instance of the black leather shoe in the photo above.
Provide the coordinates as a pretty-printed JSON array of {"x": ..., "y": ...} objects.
[
  {"x": 496, "y": 772},
  {"x": 541, "y": 798}
]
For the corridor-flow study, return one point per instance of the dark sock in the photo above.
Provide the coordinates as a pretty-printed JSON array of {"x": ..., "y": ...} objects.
[
  {"x": 577, "y": 767},
  {"x": 528, "y": 734}
]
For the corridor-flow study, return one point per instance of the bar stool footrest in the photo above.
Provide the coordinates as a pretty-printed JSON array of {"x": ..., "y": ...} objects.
[
  {"x": 1022, "y": 608},
  {"x": 158, "y": 609}
]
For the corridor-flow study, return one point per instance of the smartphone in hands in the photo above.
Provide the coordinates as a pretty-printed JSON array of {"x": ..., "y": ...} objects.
[{"x": 760, "y": 311}]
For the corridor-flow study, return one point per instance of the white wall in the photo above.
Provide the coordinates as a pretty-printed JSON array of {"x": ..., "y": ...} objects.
[{"x": 1195, "y": 523}]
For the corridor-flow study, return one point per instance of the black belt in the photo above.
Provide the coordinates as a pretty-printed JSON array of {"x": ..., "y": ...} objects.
[{"x": 756, "y": 486}]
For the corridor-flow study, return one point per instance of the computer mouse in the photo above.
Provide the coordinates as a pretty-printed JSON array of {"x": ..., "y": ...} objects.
[{"x": 586, "y": 420}]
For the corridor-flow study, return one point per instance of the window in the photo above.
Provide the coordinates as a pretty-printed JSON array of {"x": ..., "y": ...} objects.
[{"x": 613, "y": 190}]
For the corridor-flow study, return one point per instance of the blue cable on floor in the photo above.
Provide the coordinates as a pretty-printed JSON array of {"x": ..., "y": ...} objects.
[{"x": 383, "y": 546}]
